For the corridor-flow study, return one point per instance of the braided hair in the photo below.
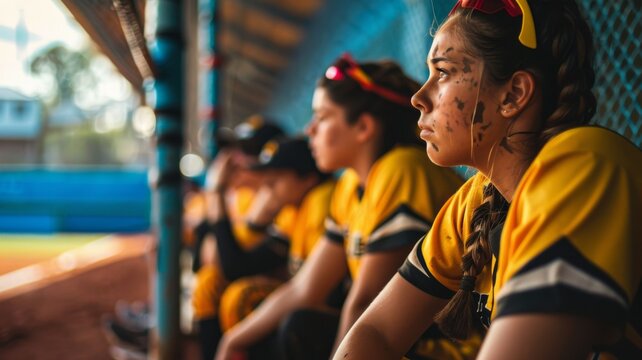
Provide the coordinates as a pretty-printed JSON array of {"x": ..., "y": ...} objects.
[{"x": 562, "y": 65}]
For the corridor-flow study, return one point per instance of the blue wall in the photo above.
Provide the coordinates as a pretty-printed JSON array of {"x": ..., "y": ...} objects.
[
  {"x": 70, "y": 200},
  {"x": 369, "y": 30}
]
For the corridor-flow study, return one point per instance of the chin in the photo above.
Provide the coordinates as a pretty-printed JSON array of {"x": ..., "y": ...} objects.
[
  {"x": 322, "y": 164},
  {"x": 327, "y": 168},
  {"x": 437, "y": 158},
  {"x": 331, "y": 164}
]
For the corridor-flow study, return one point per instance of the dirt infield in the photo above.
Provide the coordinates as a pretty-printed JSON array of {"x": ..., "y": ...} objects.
[{"x": 62, "y": 319}]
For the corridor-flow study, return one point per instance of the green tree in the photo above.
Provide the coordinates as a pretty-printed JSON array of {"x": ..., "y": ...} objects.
[{"x": 66, "y": 67}]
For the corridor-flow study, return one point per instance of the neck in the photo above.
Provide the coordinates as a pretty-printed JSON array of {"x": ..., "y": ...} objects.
[
  {"x": 505, "y": 171},
  {"x": 509, "y": 158},
  {"x": 363, "y": 162}
]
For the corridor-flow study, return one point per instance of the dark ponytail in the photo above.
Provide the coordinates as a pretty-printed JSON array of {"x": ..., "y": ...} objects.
[
  {"x": 562, "y": 63},
  {"x": 569, "y": 41}
]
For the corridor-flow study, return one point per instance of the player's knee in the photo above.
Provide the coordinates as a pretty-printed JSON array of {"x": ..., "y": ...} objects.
[
  {"x": 205, "y": 297},
  {"x": 239, "y": 299}
]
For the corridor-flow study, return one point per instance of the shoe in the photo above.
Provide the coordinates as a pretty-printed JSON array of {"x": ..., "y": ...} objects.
[
  {"x": 134, "y": 316},
  {"x": 122, "y": 353},
  {"x": 119, "y": 335}
]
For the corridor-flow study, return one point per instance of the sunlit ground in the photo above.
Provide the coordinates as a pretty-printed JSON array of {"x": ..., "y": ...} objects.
[
  {"x": 19, "y": 250},
  {"x": 33, "y": 261}
]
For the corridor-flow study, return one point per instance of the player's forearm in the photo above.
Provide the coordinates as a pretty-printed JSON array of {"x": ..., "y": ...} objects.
[
  {"x": 216, "y": 210},
  {"x": 264, "y": 208},
  {"x": 233, "y": 259},
  {"x": 351, "y": 311},
  {"x": 260, "y": 259}
]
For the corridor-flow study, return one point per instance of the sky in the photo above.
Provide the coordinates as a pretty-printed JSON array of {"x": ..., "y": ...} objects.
[{"x": 47, "y": 22}]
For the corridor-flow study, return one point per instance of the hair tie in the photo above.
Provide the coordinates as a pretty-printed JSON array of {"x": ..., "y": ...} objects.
[{"x": 468, "y": 283}]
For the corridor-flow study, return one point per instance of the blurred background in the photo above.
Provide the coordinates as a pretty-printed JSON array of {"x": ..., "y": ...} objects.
[{"x": 109, "y": 108}]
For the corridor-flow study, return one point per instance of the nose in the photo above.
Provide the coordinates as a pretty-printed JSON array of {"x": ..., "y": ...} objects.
[
  {"x": 421, "y": 101},
  {"x": 311, "y": 128}
]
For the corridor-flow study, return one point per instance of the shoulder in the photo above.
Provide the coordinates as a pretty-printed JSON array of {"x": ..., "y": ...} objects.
[
  {"x": 455, "y": 217},
  {"x": 591, "y": 142},
  {"x": 325, "y": 189},
  {"x": 402, "y": 156},
  {"x": 583, "y": 158},
  {"x": 471, "y": 192},
  {"x": 412, "y": 162},
  {"x": 402, "y": 163},
  {"x": 318, "y": 198},
  {"x": 347, "y": 183}
]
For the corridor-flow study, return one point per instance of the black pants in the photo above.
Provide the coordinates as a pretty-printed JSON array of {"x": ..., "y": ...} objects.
[
  {"x": 304, "y": 334},
  {"x": 307, "y": 334}
]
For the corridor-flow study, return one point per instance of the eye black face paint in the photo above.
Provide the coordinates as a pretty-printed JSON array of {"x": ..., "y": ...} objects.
[
  {"x": 467, "y": 64},
  {"x": 460, "y": 104},
  {"x": 479, "y": 113}
]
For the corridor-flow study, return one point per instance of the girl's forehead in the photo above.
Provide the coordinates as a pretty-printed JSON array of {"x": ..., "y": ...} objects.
[
  {"x": 321, "y": 101},
  {"x": 319, "y": 97},
  {"x": 445, "y": 42}
]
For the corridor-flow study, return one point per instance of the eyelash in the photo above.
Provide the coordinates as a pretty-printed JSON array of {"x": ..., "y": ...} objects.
[
  {"x": 441, "y": 73},
  {"x": 318, "y": 118}
]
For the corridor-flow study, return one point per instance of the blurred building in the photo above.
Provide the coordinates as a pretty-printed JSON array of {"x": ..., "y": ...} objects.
[
  {"x": 21, "y": 127},
  {"x": 66, "y": 114}
]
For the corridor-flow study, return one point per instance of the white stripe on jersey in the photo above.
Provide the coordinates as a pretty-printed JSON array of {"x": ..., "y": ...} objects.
[
  {"x": 414, "y": 260},
  {"x": 400, "y": 222},
  {"x": 274, "y": 231},
  {"x": 332, "y": 226},
  {"x": 559, "y": 272}
]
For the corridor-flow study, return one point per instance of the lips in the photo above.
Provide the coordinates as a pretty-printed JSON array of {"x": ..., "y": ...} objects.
[
  {"x": 425, "y": 134},
  {"x": 313, "y": 150},
  {"x": 426, "y": 130}
]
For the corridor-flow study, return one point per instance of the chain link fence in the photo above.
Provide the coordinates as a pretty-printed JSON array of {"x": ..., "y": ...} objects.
[{"x": 617, "y": 29}]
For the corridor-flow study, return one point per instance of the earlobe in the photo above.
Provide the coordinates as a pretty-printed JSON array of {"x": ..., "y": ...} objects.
[{"x": 519, "y": 93}]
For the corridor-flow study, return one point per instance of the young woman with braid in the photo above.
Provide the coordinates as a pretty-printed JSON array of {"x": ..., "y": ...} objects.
[
  {"x": 546, "y": 240},
  {"x": 387, "y": 197}
]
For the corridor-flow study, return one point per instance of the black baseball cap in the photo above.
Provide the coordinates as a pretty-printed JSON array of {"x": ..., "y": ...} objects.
[
  {"x": 287, "y": 154},
  {"x": 252, "y": 134},
  {"x": 225, "y": 137}
]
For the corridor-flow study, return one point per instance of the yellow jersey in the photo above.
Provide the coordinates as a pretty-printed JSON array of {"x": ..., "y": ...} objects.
[
  {"x": 402, "y": 194},
  {"x": 304, "y": 226},
  {"x": 571, "y": 241}
]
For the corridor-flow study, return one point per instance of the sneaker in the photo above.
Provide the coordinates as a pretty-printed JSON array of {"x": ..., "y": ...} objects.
[
  {"x": 122, "y": 353},
  {"x": 119, "y": 335},
  {"x": 134, "y": 316}
]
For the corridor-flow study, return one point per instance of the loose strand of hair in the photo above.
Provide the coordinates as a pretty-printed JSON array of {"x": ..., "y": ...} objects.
[{"x": 472, "y": 118}]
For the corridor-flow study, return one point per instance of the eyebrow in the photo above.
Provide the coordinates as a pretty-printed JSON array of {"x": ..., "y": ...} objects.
[{"x": 438, "y": 59}]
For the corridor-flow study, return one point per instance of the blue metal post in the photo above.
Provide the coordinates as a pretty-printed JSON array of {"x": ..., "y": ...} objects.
[
  {"x": 167, "y": 51},
  {"x": 211, "y": 62}
]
